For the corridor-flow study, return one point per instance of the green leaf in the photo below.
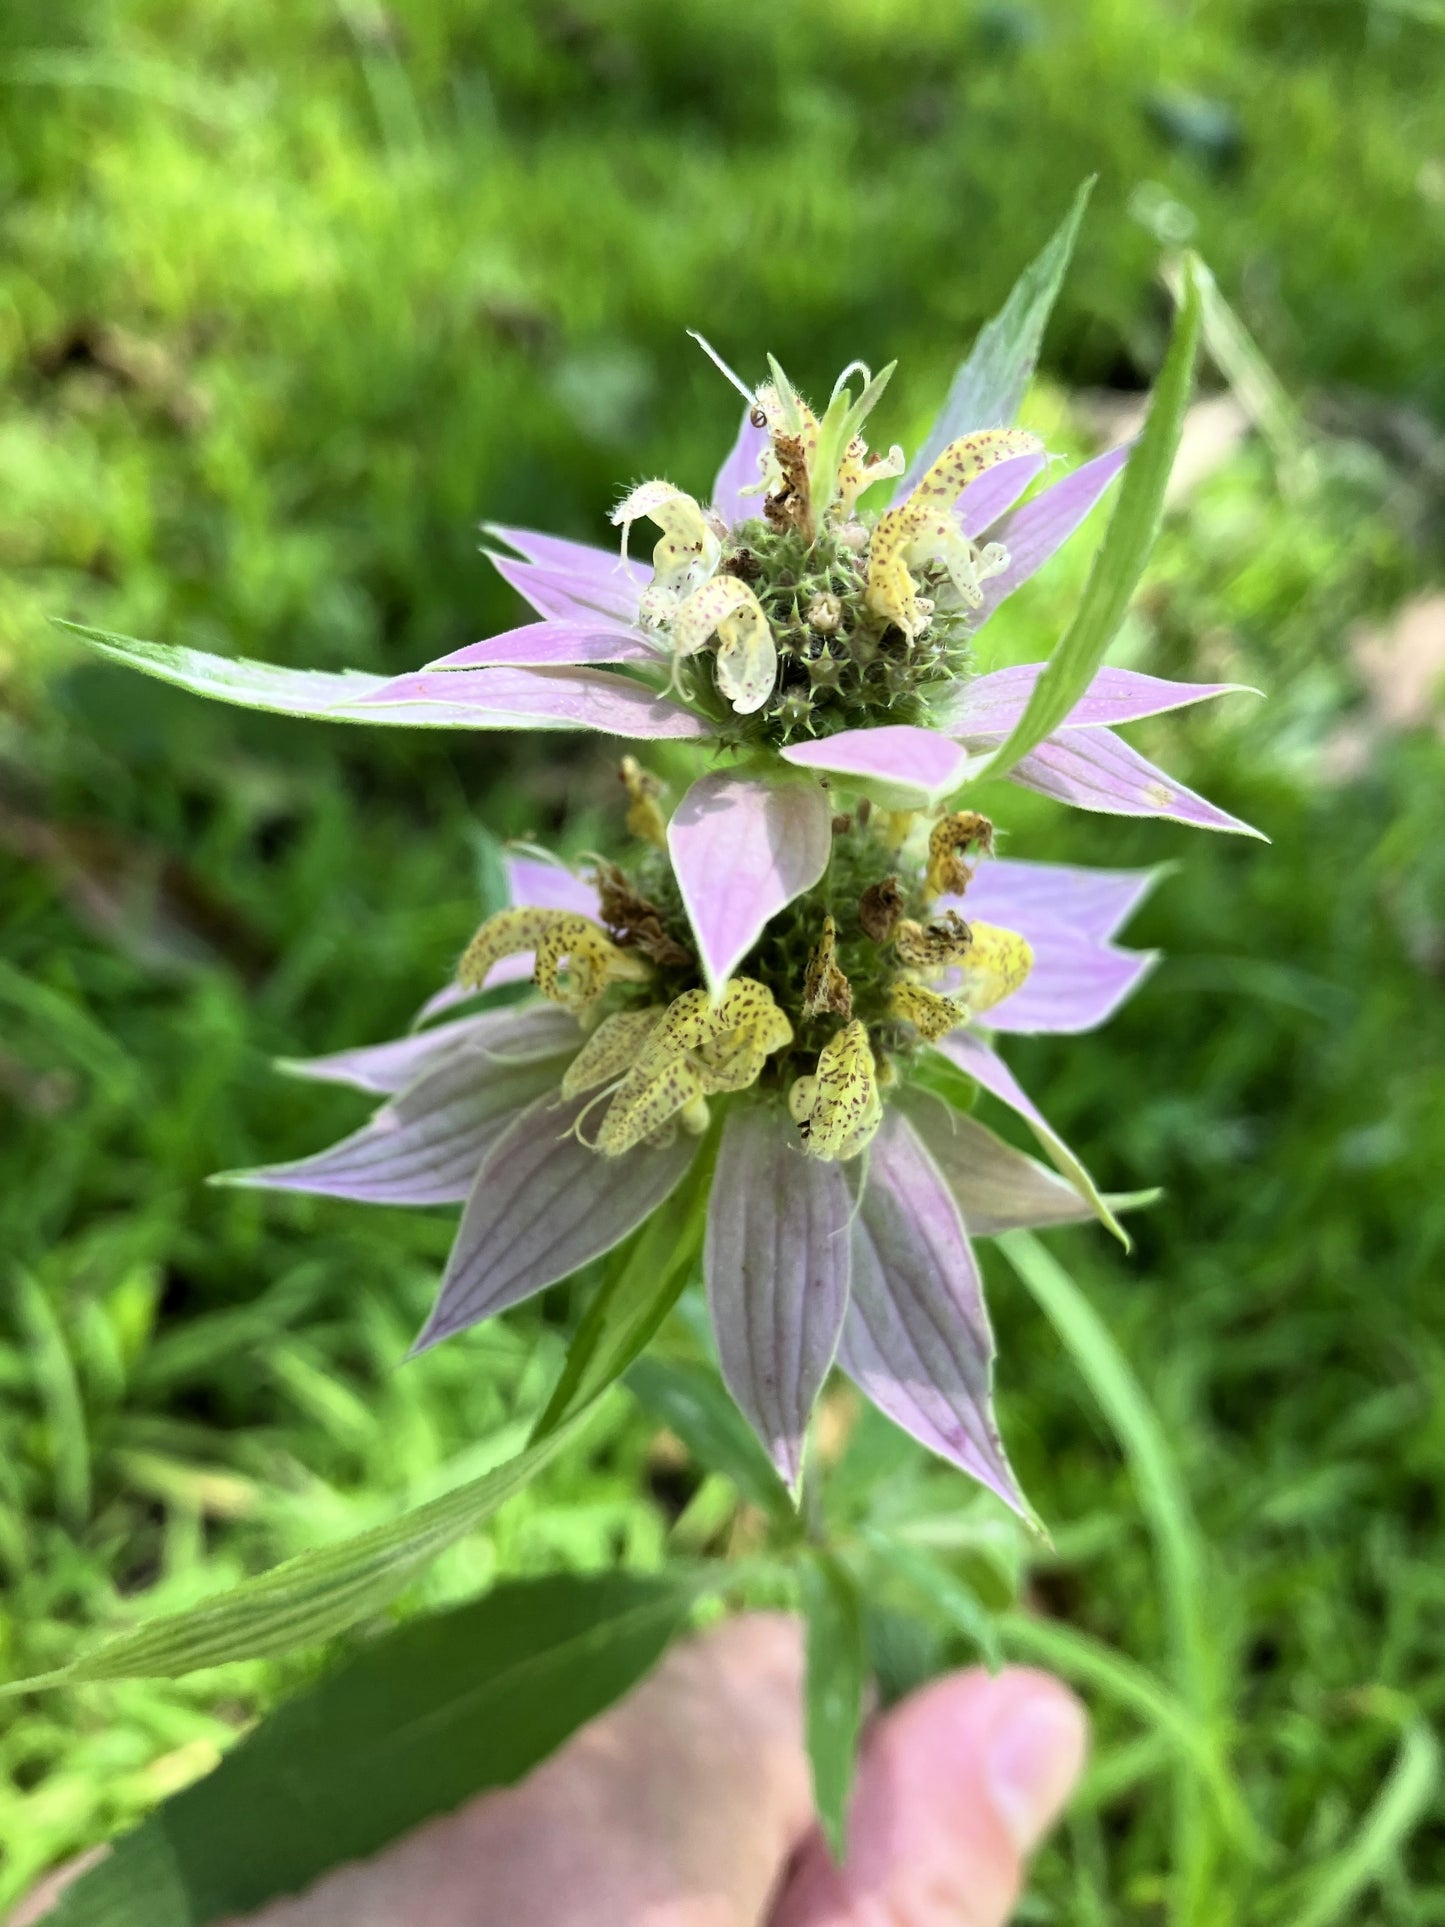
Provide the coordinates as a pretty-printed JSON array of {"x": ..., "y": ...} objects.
[
  {"x": 644, "y": 1280},
  {"x": 1403, "y": 1802},
  {"x": 989, "y": 387},
  {"x": 316, "y": 1595},
  {"x": 842, "y": 421},
  {"x": 1196, "y": 1662},
  {"x": 1256, "y": 386},
  {"x": 427, "y": 1716},
  {"x": 1124, "y": 550},
  {"x": 692, "y": 1401},
  {"x": 833, "y": 1616}
]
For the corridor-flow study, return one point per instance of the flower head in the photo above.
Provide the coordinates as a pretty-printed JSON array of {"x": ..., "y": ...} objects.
[{"x": 844, "y": 1192}]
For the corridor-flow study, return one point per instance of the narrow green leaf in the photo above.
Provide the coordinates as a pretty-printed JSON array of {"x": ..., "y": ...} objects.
[
  {"x": 833, "y": 1616},
  {"x": 644, "y": 1280},
  {"x": 1124, "y": 551},
  {"x": 1164, "y": 1501},
  {"x": 692, "y": 1401},
  {"x": 989, "y": 387},
  {"x": 841, "y": 422},
  {"x": 1256, "y": 386},
  {"x": 424, "y": 1718},
  {"x": 789, "y": 415},
  {"x": 1092, "y": 1664},
  {"x": 316, "y": 1595},
  {"x": 1403, "y": 1801}
]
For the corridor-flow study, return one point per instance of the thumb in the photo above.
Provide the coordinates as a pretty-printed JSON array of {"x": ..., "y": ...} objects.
[{"x": 955, "y": 1786}]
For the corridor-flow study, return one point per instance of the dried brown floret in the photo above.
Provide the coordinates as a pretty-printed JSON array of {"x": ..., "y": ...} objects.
[
  {"x": 880, "y": 907},
  {"x": 953, "y": 837},
  {"x": 633, "y": 922},
  {"x": 825, "y": 988}
]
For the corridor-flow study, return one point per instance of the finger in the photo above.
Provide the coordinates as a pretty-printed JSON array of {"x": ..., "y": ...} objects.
[
  {"x": 955, "y": 1787},
  {"x": 678, "y": 1808}
]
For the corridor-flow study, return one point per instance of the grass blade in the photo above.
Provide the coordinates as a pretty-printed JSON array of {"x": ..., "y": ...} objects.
[
  {"x": 1064, "y": 1649},
  {"x": 1165, "y": 1505},
  {"x": 1402, "y": 1803},
  {"x": 1125, "y": 548}
]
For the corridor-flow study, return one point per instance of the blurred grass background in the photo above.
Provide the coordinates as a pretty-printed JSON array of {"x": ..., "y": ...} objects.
[{"x": 290, "y": 300}]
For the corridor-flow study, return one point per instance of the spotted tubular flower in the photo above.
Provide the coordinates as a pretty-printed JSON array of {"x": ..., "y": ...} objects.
[{"x": 844, "y": 1190}]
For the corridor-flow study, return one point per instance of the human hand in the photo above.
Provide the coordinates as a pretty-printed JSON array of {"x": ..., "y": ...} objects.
[{"x": 689, "y": 1805}]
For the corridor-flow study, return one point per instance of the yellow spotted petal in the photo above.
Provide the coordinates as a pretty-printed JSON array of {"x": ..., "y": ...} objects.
[
  {"x": 747, "y": 656},
  {"x": 936, "y": 537},
  {"x": 611, "y": 1051},
  {"x": 944, "y": 939},
  {"x": 846, "y": 1108},
  {"x": 964, "y": 460},
  {"x": 997, "y": 964},
  {"x": 922, "y": 529},
  {"x": 688, "y": 551},
  {"x": 728, "y": 1041},
  {"x": 931, "y": 1014},
  {"x": 694, "y": 625},
  {"x": 859, "y": 470},
  {"x": 646, "y": 1104},
  {"x": 697, "y": 1049},
  {"x": 890, "y": 592},
  {"x": 575, "y": 958}
]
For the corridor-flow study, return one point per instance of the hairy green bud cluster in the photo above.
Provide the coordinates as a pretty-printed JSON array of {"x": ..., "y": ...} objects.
[{"x": 840, "y": 665}]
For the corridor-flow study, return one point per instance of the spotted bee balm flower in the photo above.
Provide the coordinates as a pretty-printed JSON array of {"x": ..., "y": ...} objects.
[
  {"x": 845, "y": 1189},
  {"x": 791, "y": 988}
]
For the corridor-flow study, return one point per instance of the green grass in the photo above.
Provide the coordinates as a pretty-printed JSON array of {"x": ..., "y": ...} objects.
[{"x": 374, "y": 283}]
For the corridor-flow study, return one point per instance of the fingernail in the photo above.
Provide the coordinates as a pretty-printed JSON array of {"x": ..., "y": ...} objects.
[{"x": 1033, "y": 1763}]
